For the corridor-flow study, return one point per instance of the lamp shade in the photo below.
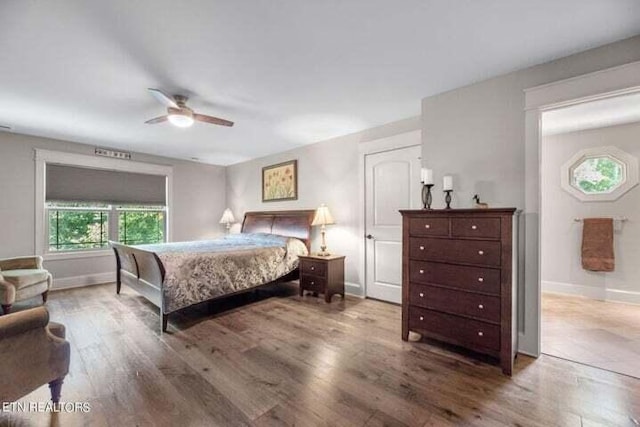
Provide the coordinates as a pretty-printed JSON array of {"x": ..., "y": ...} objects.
[
  {"x": 323, "y": 216},
  {"x": 227, "y": 217}
]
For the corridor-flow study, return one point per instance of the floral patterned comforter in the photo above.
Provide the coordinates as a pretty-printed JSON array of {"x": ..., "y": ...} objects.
[{"x": 199, "y": 271}]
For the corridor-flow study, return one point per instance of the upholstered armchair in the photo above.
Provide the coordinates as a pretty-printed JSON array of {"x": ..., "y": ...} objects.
[
  {"x": 22, "y": 278},
  {"x": 33, "y": 352}
]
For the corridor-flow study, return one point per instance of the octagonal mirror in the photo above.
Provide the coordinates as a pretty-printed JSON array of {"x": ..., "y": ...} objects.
[{"x": 600, "y": 174}]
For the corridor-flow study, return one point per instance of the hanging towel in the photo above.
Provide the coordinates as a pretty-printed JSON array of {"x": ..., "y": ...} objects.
[{"x": 597, "y": 244}]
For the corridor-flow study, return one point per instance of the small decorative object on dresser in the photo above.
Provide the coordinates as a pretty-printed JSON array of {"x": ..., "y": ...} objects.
[
  {"x": 426, "y": 178},
  {"x": 322, "y": 274},
  {"x": 459, "y": 274},
  {"x": 479, "y": 204},
  {"x": 447, "y": 187}
]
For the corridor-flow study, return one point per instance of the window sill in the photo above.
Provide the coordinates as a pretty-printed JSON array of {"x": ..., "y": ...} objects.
[{"x": 55, "y": 256}]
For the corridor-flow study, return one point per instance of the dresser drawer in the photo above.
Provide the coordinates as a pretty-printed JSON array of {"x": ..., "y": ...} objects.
[
  {"x": 458, "y": 330},
  {"x": 464, "y": 251},
  {"x": 483, "y": 307},
  {"x": 486, "y": 228},
  {"x": 456, "y": 276},
  {"x": 312, "y": 283},
  {"x": 429, "y": 227},
  {"x": 316, "y": 268}
]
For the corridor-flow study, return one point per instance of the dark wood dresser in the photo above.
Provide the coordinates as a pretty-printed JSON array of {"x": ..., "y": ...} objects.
[{"x": 458, "y": 279}]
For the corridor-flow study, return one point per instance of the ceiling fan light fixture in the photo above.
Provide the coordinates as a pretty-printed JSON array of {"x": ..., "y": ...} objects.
[{"x": 181, "y": 120}]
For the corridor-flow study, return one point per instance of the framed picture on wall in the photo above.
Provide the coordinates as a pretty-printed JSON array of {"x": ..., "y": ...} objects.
[{"x": 280, "y": 182}]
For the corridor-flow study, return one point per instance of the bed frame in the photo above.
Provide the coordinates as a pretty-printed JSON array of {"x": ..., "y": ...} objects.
[{"x": 143, "y": 271}]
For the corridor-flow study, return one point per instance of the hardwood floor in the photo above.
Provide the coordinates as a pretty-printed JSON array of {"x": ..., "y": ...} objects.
[
  {"x": 281, "y": 359},
  {"x": 597, "y": 333}
]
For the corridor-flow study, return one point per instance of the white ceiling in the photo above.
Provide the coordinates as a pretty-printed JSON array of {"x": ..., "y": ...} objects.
[
  {"x": 592, "y": 115},
  {"x": 288, "y": 72}
]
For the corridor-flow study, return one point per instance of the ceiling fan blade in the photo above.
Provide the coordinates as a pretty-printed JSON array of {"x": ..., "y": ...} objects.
[
  {"x": 163, "y": 98},
  {"x": 212, "y": 120},
  {"x": 157, "y": 120}
]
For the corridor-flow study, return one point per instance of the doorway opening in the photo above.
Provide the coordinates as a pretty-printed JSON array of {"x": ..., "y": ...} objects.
[{"x": 590, "y": 233}]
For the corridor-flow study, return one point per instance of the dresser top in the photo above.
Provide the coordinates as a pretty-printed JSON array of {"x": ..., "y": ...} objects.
[{"x": 488, "y": 211}]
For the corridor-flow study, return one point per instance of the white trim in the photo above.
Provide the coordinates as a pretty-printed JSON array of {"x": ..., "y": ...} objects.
[
  {"x": 598, "y": 293},
  {"x": 80, "y": 281},
  {"x": 99, "y": 253},
  {"x": 355, "y": 289},
  {"x": 408, "y": 139},
  {"x": 615, "y": 81},
  {"x": 42, "y": 157},
  {"x": 620, "y": 80}
]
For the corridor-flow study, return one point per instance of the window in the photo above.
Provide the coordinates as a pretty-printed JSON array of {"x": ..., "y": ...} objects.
[
  {"x": 83, "y": 226},
  {"x": 82, "y": 202},
  {"x": 77, "y": 227},
  {"x": 138, "y": 226},
  {"x": 600, "y": 174}
]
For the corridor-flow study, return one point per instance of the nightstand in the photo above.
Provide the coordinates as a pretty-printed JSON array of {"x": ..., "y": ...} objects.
[{"x": 322, "y": 274}]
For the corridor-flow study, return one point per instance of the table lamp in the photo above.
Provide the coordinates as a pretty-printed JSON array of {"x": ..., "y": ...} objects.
[
  {"x": 322, "y": 218},
  {"x": 227, "y": 218}
]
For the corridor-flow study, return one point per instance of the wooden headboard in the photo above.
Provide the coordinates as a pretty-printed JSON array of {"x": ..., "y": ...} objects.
[{"x": 283, "y": 223}]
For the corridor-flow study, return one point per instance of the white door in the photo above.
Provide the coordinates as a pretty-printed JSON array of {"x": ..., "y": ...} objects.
[{"x": 392, "y": 180}]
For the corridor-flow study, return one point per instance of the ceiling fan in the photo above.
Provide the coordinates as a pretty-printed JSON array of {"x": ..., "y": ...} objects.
[{"x": 179, "y": 114}]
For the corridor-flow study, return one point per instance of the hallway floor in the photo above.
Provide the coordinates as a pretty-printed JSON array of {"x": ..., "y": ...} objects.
[{"x": 596, "y": 333}]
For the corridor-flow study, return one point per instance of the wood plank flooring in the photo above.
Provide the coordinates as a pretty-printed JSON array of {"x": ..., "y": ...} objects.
[
  {"x": 278, "y": 359},
  {"x": 597, "y": 333}
]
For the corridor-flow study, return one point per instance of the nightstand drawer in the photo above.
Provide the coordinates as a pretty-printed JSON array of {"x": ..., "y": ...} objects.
[
  {"x": 312, "y": 283},
  {"x": 316, "y": 268}
]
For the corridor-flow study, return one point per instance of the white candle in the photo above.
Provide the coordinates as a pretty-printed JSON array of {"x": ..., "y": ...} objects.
[
  {"x": 429, "y": 176},
  {"x": 447, "y": 183}
]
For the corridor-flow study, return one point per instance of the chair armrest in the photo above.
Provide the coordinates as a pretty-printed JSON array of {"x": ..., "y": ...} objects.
[
  {"x": 20, "y": 263},
  {"x": 22, "y": 321}
]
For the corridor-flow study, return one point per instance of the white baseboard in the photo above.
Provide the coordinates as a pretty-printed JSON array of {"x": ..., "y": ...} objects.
[
  {"x": 354, "y": 289},
  {"x": 592, "y": 292},
  {"x": 86, "y": 280}
]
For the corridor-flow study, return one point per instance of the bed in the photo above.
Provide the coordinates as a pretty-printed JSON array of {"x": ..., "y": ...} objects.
[{"x": 174, "y": 276}]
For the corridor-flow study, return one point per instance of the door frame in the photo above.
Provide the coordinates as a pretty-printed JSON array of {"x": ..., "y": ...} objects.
[
  {"x": 401, "y": 140},
  {"x": 611, "y": 82}
]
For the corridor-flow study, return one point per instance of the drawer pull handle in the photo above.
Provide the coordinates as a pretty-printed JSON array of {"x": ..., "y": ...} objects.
[
  {"x": 421, "y": 295},
  {"x": 474, "y": 227},
  {"x": 313, "y": 268},
  {"x": 480, "y": 334},
  {"x": 422, "y": 248},
  {"x": 481, "y": 307},
  {"x": 313, "y": 283},
  {"x": 427, "y": 226},
  {"x": 421, "y": 271},
  {"x": 421, "y": 318},
  {"x": 480, "y": 252},
  {"x": 480, "y": 279}
]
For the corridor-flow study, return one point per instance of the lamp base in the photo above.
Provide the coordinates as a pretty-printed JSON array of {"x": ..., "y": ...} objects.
[{"x": 323, "y": 253}]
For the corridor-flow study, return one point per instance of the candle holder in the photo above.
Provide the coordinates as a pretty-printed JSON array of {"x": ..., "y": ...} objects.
[
  {"x": 426, "y": 196},
  {"x": 447, "y": 198}
]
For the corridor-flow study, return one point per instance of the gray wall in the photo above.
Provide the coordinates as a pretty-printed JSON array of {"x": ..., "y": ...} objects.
[
  {"x": 562, "y": 236},
  {"x": 198, "y": 202},
  {"x": 477, "y": 134},
  {"x": 327, "y": 173}
]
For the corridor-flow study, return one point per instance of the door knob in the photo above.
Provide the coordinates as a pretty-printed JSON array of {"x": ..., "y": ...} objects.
[{"x": 369, "y": 236}]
